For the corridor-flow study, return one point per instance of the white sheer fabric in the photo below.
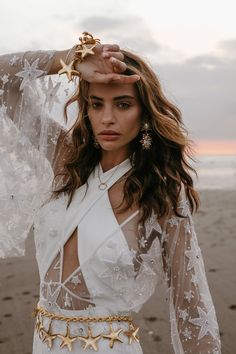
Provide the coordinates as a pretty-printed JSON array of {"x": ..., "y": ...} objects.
[{"x": 91, "y": 259}]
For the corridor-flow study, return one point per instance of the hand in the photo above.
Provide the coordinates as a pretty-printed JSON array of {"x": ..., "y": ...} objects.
[{"x": 105, "y": 66}]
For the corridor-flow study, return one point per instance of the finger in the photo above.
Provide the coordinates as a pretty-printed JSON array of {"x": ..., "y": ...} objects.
[
  {"x": 117, "y": 55},
  {"x": 124, "y": 79},
  {"x": 114, "y": 78},
  {"x": 110, "y": 47},
  {"x": 118, "y": 66},
  {"x": 104, "y": 78}
]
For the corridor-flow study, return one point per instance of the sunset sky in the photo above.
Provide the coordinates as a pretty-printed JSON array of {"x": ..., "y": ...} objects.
[{"x": 190, "y": 44}]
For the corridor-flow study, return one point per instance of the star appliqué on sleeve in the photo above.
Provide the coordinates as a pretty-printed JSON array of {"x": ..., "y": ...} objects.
[
  {"x": 193, "y": 255},
  {"x": 29, "y": 72},
  {"x": 206, "y": 321}
]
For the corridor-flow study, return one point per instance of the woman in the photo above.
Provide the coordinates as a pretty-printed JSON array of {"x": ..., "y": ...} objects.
[{"x": 118, "y": 221}]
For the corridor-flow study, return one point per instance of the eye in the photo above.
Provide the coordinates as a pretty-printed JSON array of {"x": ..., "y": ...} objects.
[
  {"x": 95, "y": 105},
  {"x": 123, "y": 105}
]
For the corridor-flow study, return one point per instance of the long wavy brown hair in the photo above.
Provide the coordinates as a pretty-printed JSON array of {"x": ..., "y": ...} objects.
[{"x": 156, "y": 175}]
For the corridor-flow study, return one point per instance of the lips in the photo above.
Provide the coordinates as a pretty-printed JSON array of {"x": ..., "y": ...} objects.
[{"x": 108, "y": 132}]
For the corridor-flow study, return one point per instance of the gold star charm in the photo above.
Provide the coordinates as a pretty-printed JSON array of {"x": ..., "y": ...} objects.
[
  {"x": 113, "y": 336},
  {"x": 90, "y": 340},
  {"x": 48, "y": 336},
  {"x": 40, "y": 329},
  {"x": 37, "y": 324},
  {"x": 132, "y": 333},
  {"x": 68, "y": 70},
  {"x": 86, "y": 50},
  {"x": 67, "y": 339}
]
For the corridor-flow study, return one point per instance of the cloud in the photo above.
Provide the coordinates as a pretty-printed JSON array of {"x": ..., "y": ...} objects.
[
  {"x": 131, "y": 33},
  {"x": 203, "y": 87}
]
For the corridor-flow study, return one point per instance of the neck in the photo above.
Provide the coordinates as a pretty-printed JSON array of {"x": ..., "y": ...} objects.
[{"x": 112, "y": 158}]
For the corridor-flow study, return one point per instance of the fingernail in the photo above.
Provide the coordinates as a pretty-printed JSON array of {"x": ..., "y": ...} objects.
[{"x": 116, "y": 78}]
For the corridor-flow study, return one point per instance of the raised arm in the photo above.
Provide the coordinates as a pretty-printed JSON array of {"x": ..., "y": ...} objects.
[{"x": 194, "y": 327}]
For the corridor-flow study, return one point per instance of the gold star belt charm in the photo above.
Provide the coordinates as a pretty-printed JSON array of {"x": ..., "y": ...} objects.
[
  {"x": 82, "y": 50},
  {"x": 67, "y": 340},
  {"x": 113, "y": 336},
  {"x": 90, "y": 340},
  {"x": 132, "y": 333}
]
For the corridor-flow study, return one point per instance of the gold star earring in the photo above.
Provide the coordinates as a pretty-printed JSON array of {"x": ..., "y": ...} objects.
[{"x": 146, "y": 140}]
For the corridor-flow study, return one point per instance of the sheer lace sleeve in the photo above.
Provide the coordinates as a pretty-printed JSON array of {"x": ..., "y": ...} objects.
[
  {"x": 194, "y": 327},
  {"x": 29, "y": 136}
]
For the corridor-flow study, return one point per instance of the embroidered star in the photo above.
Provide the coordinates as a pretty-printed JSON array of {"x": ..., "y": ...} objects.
[
  {"x": 187, "y": 228},
  {"x": 151, "y": 259},
  {"x": 188, "y": 295},
  {"x": 132, "y": 334},
  {"x": 152, "y": 224},
  {"x": 194, "y": 279},
  {"x": 183, "y": 314},
  {"x": 51, "y": 93},
  {"x": 187, "y": 333},
  {"x": 67, "y": 300},
  {"x": 119, "y": 269},
  {"x": 184, "y": 205},
  {"x": 52, "y": 295},
  {"x": 206, "y": 321},
  {"x": 67, "y": 340},
  {"x": 173, "y": 221},
  {"x": 75, "y": 280},
  {"x": 113, "y": 336},
  {"x": 13, "y": 60},
  {"x": 193, "y": 255},
  {"x": 29, "y": 73},
  {"x": 90, "y": 340},
  {"x": 5, "y": 78}
]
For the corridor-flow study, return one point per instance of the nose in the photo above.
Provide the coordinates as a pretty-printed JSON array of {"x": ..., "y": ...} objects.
[{"x": 108, "y": 115}]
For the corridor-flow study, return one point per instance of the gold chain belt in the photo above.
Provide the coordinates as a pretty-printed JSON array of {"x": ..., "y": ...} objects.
[{"x": 89, "y": 340}]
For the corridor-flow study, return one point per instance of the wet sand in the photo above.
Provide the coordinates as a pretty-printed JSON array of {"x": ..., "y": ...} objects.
[{"x": 215, "y": 225}]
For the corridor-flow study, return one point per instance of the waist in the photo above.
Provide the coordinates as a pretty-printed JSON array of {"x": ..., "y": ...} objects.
[{"x": 90, "y": 331}]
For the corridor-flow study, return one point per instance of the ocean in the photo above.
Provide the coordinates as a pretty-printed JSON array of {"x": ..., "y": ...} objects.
[{"x": 215, "y": 172}]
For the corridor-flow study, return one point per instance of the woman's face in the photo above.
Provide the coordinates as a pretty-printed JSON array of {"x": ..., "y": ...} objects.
[{"x": 114, "y": 112}]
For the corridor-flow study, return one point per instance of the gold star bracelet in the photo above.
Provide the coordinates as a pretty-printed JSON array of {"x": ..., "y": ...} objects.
[{"x": 81, "y": 50}]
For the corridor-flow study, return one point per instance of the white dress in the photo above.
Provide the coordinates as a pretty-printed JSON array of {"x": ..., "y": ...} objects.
[{"x": 119, "y": 265}]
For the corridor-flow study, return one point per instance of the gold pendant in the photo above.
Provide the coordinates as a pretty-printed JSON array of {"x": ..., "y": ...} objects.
[
  {"x": 113, "y": 336},
  {"x": 48, "y": 336},
  {"x": 90, "y": 340},
  {"x": 67, "y": 340}
]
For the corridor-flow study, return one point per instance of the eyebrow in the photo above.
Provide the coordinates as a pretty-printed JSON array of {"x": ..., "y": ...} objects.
[{"x": 115, "y": 98}]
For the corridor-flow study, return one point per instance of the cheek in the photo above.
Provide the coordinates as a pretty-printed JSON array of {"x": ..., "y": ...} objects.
[{"x": 132, "y": 123}]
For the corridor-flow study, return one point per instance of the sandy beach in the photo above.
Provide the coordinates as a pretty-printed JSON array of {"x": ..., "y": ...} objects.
[{"x": 215, "y": 225}]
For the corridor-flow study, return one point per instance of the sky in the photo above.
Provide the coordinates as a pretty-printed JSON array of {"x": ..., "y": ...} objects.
[{"x": 190, "y": 44}]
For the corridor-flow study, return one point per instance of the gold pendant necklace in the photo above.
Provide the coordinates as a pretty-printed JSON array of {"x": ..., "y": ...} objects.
[{"x": 103, "y": 184}]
